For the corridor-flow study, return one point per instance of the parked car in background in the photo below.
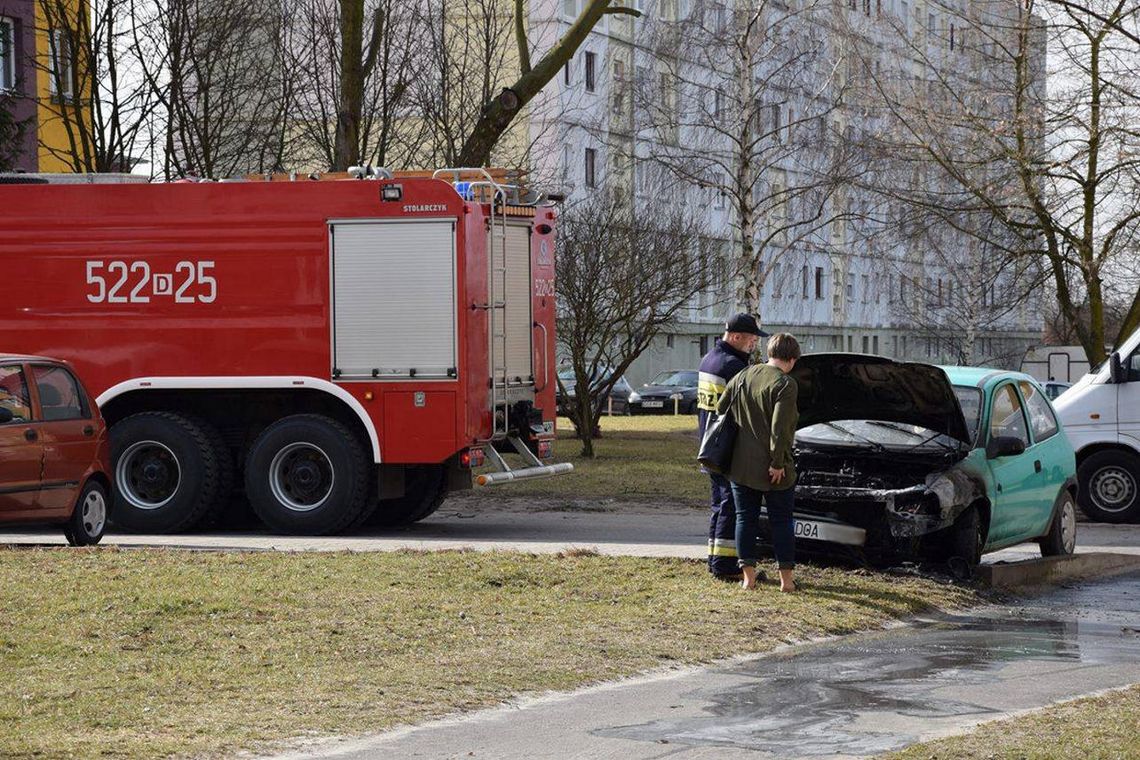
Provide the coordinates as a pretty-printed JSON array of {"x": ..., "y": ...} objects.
[
  {"x": 1054, "y": 388},
  {"x": 673, "y": 389},
  {"x": 912, "y": 460},
  {"x": 618, "y": 399},
  {"x": 54, "y": 452}
]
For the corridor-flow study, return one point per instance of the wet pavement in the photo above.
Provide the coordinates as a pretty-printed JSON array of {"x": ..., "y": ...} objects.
[{"x": 851, "y": 697}]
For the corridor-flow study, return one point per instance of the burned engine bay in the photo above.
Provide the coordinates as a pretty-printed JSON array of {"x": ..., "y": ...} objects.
[{"x": 894, "y": 495}]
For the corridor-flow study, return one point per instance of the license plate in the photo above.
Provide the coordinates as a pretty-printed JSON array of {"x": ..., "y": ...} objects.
[
  {"x": 806, "y": 529},
  {"x": 653, "y": 404}
]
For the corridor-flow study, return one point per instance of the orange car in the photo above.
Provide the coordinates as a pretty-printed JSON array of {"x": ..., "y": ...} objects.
[{"x": 54, "y": 452}]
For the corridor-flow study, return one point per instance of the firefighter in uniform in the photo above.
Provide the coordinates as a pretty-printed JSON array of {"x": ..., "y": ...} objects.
[{"x": 728, "y": 357}]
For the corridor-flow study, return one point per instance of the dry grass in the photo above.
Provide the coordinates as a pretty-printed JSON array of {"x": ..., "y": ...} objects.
[
  {"x": 133, "y": 654},
  {"x": 1099, "y": 728},
  {"x": 643, "y": 457}
]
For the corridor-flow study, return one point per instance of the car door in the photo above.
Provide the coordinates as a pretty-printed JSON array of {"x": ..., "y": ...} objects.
[
  {"x": 1052, "y": 456},
  {"x": 67, "y": 432},
  {"x": 1016, "y": 481},
  {"x": 21, "y": 453}
]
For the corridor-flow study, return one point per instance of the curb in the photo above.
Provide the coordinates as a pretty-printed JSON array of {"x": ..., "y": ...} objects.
[{"x": 1049, "y": 570}]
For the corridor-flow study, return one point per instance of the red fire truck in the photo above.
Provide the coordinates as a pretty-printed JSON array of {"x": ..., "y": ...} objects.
[{"x": 342, "y": 352}]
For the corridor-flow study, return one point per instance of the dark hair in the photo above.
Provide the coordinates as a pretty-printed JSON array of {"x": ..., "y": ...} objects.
[{"x": 783, "y": 346}]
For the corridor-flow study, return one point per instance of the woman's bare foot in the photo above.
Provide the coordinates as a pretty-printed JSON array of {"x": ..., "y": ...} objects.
[
  {"x": 787, "y": 582},
  {"x": 749, "y": 581}
]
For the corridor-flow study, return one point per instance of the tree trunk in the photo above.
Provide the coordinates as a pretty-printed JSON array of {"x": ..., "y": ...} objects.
[{"x": 346, "y": 148}]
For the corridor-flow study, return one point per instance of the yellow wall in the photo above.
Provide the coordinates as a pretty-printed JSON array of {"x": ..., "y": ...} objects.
[{"x": 54, "y": 145}]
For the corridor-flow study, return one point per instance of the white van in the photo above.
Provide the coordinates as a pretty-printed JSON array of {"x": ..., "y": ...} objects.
[{"x": 1101, "y": 415}]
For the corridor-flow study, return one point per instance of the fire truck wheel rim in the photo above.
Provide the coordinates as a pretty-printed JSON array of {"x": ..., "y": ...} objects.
[
  {"x": 301, "y": 477},
  {"x": 148, "y": 475}
]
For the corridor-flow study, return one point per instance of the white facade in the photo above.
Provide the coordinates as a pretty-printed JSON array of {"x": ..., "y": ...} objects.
[{"x": 842, "y": 287}]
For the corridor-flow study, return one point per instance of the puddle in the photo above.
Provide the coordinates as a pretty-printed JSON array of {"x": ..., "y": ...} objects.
[{"x": 880, "y": 692}]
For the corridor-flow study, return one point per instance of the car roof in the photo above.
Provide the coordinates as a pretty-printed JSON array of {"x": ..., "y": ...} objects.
[
  {"x": 26, "y": 358},
  {"x": 980, "y": 377}
]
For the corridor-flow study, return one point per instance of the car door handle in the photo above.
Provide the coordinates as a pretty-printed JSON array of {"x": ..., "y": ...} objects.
[
  {"x": 1037, "y": 465},
  {"x": 30, "y": 434},
  {"x": 88, "y": 431}
]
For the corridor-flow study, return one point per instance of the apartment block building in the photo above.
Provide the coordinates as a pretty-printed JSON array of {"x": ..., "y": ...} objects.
[
  {"x": 639, "y": 92},
  {"x": 36, "y": 79}
]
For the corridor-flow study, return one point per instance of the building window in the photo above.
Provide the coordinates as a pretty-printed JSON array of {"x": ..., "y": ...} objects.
[
  {"x": 7, "y": 54},
  {"x": 804, "y": 280},
  {"x": 851, "y": 288},
  {"x": 704, "y": 344},
  {"x": 569, "y": 8},
  {"x": 818, "y": 283},
  {"x": 718, "y": 103},
  {"x": 61, "y": 70},
  {"x": 591, "y": 164},
  {"x": 866, "y": 344},
  {"x": 591, "y": 62},
  {"x": 668, "y": 341},
  {"x": 566, "y": 74},
  {"x": 875, "y": 345},
  {"x": 866, "y": 288}
]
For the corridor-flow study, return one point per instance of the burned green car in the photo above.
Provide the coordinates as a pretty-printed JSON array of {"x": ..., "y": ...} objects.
[{"x": 913, "y": 461}]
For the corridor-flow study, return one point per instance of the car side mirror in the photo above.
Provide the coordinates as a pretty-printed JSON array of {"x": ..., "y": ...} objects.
[
  {"x": 1115, "y": 369},
  {"x": 1004, "y": 446},
  {"x": 6, "y": 415}
]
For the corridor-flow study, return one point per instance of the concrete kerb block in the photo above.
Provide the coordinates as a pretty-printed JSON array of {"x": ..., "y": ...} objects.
[{"x": 1050, "y": 570}]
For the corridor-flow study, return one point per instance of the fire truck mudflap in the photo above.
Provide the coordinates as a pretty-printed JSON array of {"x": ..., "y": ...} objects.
[{"x": 347, "y": 351}]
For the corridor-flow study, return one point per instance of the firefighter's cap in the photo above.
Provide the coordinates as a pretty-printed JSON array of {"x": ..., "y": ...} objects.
[{"x": 744, "y": 323}]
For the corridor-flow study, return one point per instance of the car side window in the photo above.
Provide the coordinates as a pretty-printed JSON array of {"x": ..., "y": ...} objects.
[
  {"x": 1041, "y": 418},
  {"x": 60, "y": 396},
  {"x": 14, "y": 394},
  {"x": 1006, "y": 418}
]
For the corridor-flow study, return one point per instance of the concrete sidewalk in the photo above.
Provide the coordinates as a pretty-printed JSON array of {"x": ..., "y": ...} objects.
[{"x": 852, "y": 697}]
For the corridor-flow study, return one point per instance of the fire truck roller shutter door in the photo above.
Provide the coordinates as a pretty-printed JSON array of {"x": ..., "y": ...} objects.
[
  {"x": 394, "y": 299},
  {"x": 516, "y": 317}
]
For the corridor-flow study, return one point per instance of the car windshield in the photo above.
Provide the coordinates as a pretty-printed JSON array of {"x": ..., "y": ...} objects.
[
  {"x": 881, "y": 435},
  {"x": 672, "y": 377},
  {"x": 970, "y": 399}
]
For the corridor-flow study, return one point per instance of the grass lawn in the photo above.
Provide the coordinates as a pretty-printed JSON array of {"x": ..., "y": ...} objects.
[
  {"x": 1099, "y": 728},
  {"x": 644, "y": 457},
  {"x": 156, "y": 653}
]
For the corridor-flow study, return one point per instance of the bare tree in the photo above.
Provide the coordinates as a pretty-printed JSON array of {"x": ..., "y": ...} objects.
[
  {"x": 11, "y": 134},
  {"x": 743, "y": 103},
  {"x": 98, "y": 93},
  {"x": 225, "y": 87},
  {"x": 623, "y": 276},
  {"x": 1056, "y": 170}
]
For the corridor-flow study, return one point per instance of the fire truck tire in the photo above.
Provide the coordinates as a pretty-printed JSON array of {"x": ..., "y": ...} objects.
[
  {"x": 214, "y": 514},
  {"x": 166, "y": 473},
  {"x": 308, "y": 474},
  {"x": 426, "y": 490}
]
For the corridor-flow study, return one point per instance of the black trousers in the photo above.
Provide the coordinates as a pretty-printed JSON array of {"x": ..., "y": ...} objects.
[{"x": 722, "y": 528}]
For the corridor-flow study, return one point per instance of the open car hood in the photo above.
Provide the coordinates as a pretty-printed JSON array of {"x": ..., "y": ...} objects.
[{"x": 860, "y": 387}]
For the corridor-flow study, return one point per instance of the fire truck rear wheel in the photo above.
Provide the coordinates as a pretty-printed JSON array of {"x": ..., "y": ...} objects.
[
  {"x": 167, "y": 473},
  {"x": 309, "y": 475},
  {"x": 425, "y": 490}
]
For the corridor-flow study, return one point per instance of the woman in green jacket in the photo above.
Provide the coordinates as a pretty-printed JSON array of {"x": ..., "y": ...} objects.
[{"x": 762, "y": 400}]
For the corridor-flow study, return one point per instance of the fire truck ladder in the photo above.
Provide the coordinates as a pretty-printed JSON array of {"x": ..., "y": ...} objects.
[{"x": 501, "y": 194}]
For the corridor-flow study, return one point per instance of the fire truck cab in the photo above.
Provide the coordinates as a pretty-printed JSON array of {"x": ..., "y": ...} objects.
[{"x": 334, "y": 353}]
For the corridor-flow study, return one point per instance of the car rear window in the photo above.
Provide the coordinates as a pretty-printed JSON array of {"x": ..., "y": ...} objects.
[
  {"x": 14, "y": 394},
  {"x": 60, "y": 396}
]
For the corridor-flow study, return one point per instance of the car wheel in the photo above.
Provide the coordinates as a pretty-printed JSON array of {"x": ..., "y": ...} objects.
[
  {"x": 1061, "y": 540},
  {"x": 167, "y": 473},
  {"x": 89, "y": 519},
  {"x": 968, "y": 537},
  {"x": 308, "y": 474},
  {"x": 425, "y": 489},
  {"x": 1109, "y": 487}
]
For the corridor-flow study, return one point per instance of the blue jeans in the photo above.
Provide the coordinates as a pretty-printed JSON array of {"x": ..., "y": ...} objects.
[{"x": 779, "y": 505}]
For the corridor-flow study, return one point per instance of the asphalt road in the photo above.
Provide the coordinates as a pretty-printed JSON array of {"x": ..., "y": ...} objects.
[
  {"x": 620, "y": 528},
  {"x": 851, "y": 697}
]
